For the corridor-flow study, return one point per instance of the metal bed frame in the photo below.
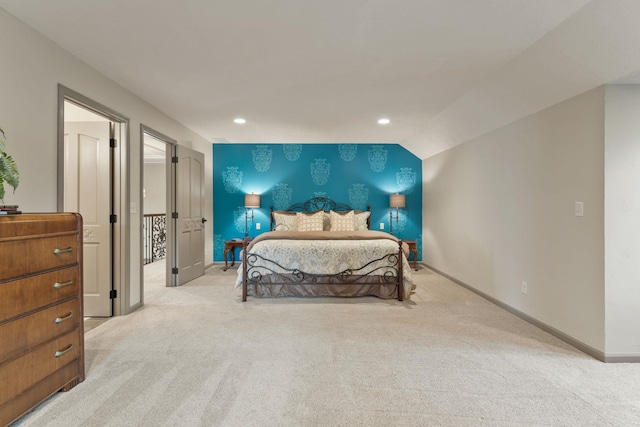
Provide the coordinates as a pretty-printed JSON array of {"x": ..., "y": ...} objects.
[{"x": 260, "y": 271}]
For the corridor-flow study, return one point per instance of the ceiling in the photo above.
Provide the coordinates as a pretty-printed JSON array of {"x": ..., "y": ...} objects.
[{"x": 443, "y": 71}]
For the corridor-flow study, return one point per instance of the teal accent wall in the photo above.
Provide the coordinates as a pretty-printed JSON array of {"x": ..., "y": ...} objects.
[{"x": 284, "y": 174}]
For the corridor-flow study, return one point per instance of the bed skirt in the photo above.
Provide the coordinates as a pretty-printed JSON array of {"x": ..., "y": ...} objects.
[{"x": 374, "y": 288}]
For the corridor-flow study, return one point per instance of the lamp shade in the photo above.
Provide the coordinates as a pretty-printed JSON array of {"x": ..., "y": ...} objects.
[
  {"x": 397, "y": 200},
  {"x": 251, "y": 200}
]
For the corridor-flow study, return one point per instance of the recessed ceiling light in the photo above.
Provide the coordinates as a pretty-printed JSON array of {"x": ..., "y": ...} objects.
[
  {"x": 239, "y": 121},
  {"x": 384, "y": 121}
]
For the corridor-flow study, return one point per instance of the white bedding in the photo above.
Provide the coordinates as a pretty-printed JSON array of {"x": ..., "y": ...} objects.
[{"x": 331, "y": 256}]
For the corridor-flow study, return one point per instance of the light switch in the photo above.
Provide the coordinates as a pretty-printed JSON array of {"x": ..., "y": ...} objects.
[
  {"x": 579, "y": 208},
  {"x": 382, "y": 226},
  {"x": 133, "y": 208},
  {"x": 257, "y": 226}
]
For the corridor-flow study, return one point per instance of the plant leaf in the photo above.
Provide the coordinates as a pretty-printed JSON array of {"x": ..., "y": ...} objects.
[
  {"x": 8, "y": 168},
  {"x": 8, "y": 173},
  {"x": 11, "y": 174}
]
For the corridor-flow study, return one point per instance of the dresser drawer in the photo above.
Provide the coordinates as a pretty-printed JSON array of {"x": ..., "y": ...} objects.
[
  {"x": 19, "y": 374},
  {"x": 41, "y": 326},
  {"x": 23, "y": 295},
  {"x": 33, "y": 255},
  {"x": 14, "y": 227},
  {"x": 61, "y": 379}
]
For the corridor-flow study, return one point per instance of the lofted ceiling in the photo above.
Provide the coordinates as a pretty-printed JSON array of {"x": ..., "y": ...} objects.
[{"x": 443, "y": 71}]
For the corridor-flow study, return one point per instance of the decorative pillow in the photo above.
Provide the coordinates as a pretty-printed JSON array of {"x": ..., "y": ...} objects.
[
  {"x": 342, "y": 222},
  {"x": 360, "y": 220},
  {"x": 310, "y": 222},
  {"x": 285, "y": 221}
]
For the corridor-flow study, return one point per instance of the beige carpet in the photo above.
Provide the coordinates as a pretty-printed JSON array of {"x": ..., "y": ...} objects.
[{"x": 197, "y": 356}]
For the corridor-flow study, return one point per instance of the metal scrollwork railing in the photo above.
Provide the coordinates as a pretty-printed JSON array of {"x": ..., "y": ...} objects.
[{"x": 155, "y": 237}]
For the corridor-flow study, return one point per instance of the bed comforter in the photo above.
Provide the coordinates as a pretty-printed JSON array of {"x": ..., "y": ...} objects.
[{"x": 326, "y": 252}]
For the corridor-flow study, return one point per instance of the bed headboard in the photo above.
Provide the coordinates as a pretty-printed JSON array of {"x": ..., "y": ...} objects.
[
  {"x": 315, "y": 204},
  {"x": 319, "y": 204}
]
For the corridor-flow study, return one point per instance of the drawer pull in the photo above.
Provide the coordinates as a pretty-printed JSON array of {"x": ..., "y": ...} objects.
[
  {"x": 66, "y": 350},
  {"x": 62, "y": 251},
  {"x": 58, "y": 285},
  {"x": 62, "y": 319}
]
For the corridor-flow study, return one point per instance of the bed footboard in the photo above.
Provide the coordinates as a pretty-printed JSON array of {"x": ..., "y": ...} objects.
[{"x": 260, "y": 271}]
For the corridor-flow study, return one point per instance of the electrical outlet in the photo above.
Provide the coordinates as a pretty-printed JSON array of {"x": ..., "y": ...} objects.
[
  {"x": 257, "y": 226},
  {"x": 524, "y": 288},
  {"x": 382, "y": 226}
]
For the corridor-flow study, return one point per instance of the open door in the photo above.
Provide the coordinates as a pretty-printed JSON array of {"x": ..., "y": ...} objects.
[
  {"x": 87, "y": 190},
  {"x": 188, "y": 220}
]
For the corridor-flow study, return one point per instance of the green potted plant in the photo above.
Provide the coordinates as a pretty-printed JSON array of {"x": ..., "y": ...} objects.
[{"x": 8, "y": 169}]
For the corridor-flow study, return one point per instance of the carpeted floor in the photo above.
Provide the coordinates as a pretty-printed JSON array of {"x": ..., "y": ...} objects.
[{"x": 197, "y": 356}]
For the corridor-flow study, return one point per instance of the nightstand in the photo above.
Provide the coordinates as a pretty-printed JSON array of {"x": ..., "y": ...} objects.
[
  {"x": 230, "y": 246},
  {"x": 413, "y": 248}
]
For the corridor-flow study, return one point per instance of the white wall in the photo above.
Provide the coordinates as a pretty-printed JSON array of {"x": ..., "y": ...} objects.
[
  {"x": 499, "y": 210},
  {"x": 155, "y": 188},
  {"x": 622, "y": 220},
  {"x": 32, "y": 67}
]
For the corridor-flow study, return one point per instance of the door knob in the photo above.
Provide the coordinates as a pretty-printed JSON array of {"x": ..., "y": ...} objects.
[{"x": 204, "y": 220}]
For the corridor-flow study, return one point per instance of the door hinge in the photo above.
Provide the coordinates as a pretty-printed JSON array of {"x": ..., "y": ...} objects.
[
  {"x": 174, "y": 215},
  {"x": 113, "y": 218},
  {"x": 113, "y": 294},
  {"x": 174, "y": 270},
  {"x": 113, "y": 143},
  {"x": 174, "y": 160}
]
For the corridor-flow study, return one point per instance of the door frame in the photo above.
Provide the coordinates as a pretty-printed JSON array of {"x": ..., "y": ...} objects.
[
  {"x": 170, "y": 203},
  {"x": 120, "y": 188}
]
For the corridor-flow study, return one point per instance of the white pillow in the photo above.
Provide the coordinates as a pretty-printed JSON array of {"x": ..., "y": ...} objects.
[
  {"x": 360, "y": 220},
  {"x": 285, "y": 221},
  {"x": 311, "y": 222},
  {"x": 342, "y": 222}
]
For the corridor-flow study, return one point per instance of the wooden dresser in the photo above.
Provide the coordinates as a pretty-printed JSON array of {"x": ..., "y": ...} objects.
[{"x": 41, "y": 322}]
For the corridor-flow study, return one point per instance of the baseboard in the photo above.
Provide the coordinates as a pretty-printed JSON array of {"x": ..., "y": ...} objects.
[
  {"x": 134, "y": 307},
  {"x": 585, "y": 348},
  {"x": 622, "y": 358}
]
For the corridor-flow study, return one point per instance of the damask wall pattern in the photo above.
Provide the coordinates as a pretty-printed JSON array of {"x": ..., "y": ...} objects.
[{"x": 284, "y": 174}]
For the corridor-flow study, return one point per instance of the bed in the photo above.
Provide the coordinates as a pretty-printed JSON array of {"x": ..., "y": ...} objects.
[{"x": 323, "y": 248}]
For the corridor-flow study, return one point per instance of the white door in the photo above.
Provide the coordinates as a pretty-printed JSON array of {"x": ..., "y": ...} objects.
[
  {"x": 87, "y": 190},
  {"x": 190, "y": 208}
]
